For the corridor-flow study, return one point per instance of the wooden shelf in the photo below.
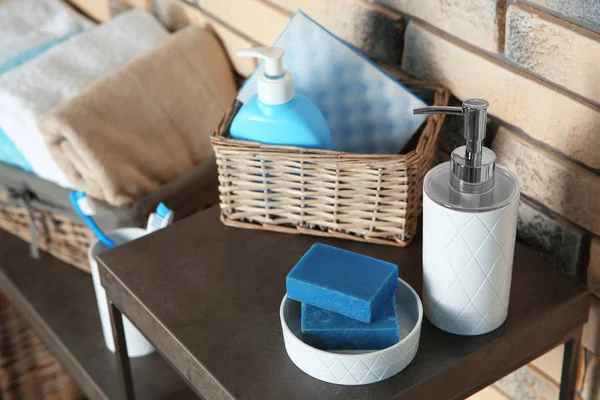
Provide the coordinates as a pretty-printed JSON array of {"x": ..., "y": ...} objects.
[{"x": 58, "y": 301}]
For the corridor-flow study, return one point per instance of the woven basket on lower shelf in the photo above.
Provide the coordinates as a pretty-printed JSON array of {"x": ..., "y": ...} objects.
[
  {"x": 27, "y": 369},
  {"x": 56, "y": 233},
  {"x": 367, "y": 197},
  {"x": 26, "y": 199}
]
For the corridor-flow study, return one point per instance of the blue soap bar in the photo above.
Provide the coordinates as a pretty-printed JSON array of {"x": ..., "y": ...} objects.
[
  {"x": 327, "y": 330},
  {"x": 341, "y": 281}
]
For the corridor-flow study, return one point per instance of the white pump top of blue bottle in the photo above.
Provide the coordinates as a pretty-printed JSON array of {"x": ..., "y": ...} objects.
[{"x": 275, "y": 85}]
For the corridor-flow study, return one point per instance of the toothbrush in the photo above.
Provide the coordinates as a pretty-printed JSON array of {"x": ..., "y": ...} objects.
[
  {"x": 160, "y": 218},
  {"x": 85, "y": 208}
]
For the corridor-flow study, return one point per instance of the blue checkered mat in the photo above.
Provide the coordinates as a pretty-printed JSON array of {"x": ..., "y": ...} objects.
[{"x": 366, "y": 109}]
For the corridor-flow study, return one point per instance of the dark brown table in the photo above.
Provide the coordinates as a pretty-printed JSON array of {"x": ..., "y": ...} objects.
[
  {"x": 208, "y": 296},
  {"x": 58, "y": 302}
]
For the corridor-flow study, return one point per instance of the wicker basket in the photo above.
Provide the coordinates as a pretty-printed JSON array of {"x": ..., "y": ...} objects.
[
  {"x": 27, "y": 369},
  {"x": 26, "y": 199},
  {"x": 367, "y": 197},
  {"x": 56, "y": 233}
]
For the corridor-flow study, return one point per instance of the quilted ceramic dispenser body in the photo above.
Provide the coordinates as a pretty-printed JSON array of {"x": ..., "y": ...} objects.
[
  {"x": 469, "y": 228},
  {"x": 467, "y": 266}
]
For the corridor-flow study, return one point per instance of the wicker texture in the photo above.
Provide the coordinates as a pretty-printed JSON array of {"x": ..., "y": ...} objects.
[
  {"x": 56, "y": 233},
  {"x": 27, "y": 369},
  {"x": 366, "y": 197}
]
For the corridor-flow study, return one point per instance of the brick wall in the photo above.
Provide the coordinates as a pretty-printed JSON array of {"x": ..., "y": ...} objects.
[
  {"x": 536, "y": 61},
  {"x": 538, "y": 64}
]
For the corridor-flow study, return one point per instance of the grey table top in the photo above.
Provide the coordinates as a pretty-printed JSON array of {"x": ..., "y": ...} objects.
[
  {"x": 58, "y": 301},
  {"x": 208, "y": 297}
]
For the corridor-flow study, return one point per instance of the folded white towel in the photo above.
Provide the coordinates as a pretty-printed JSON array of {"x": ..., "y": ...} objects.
[
  {"x": 60, "y": 73},
  {"x": 25, "y": 24}
]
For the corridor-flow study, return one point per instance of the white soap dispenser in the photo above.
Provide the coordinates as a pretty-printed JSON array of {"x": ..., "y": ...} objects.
[
  {"x": 278, "y": 115},
  {"x": 469, "y": 228}
]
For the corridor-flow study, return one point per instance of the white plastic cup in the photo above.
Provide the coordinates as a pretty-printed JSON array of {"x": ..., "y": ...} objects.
[{"x": 137, "y": 344}]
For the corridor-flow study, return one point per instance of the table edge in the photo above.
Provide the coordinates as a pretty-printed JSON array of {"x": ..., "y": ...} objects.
[{"x": 109, "y": 281}]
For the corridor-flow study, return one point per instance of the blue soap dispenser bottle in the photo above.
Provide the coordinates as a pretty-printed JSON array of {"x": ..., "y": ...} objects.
[{"x": 277, "y": 115}]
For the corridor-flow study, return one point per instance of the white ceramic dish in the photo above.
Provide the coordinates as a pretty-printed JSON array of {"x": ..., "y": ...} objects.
[{"x": 356, "y": 367}]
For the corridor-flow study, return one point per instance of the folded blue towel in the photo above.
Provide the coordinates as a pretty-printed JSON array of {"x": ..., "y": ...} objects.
[
  {"x": 327, "y": 330},
  {"x": 63, "y": 71},
  {"x": 30, "y": 54},
  {"x": 341, "y": 281},
  {"x": 28, "y": 28},
  {"x": 28, "y": 24},
  {"x": 9, "y": 153}
]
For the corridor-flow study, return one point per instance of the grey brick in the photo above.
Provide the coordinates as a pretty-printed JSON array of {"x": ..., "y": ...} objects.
[
  {"x": 564, "y": 187},
  {"x": 380, "y": 36},
  {"x": 479, "y": 22},
  {"x": 584, "y": 12},
  {"x": 544, "y": 112},
  {"x": 554, "y": 239},
  {"x": 377, "y": 33},
  {"x": 556, "y": 50}
]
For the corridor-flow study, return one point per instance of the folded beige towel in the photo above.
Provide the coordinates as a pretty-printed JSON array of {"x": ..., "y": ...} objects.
[{"x": 146, "y": 123}]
